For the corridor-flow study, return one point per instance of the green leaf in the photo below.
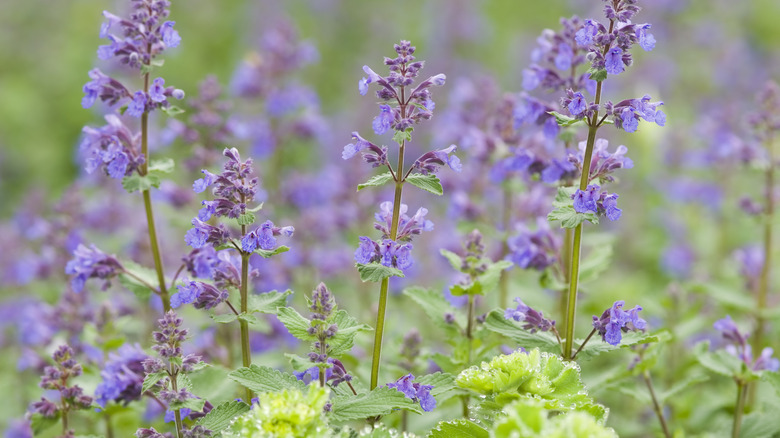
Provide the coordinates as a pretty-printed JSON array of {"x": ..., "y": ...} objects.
[
  {"x": 264, "y": 379},
  {"x": 140, "y": 289},
  {"x": 173, "y": 110},
  {"x": 39, "y": 423},
  {"x": 248, "y": 318},
  {"x": 595, "y": 262},
  {"x": 267, "y": 302},
  {"x": 162, "y": 165},
  {"x": 224, "y": 318},
  {"x": 113, "y": 344},
  {"x": 403, "y": 136},
  {"x": 344, "y": 339},
  {"x": 193, "y": 404},
  {"x": 682, "y": 386},
  {"x": 429, "y": 183},
  {"x": 151, "y": 379},
  {"x": 221, "y": 416},
  {"x": 760, "y": 425},
  {"x": 718, "y": 361},
  {"x": 296, "y": 324},
  {"x": 247, "y": 218},
  {"x": 147, "y": 68},
  {"x": 298, "y": 363},
  {"x": 256, "y": 209},
  {"x": 596, "y": 346},
  {"x": 270, "y": 253},
  {"x": 496, "y": 322},
  {"x": 773, "y": 378},
  {"x": 597, "y": 74},
  {"x": 442, "y": 383},
  {"x": 458, "y": 429},
  {"x": 375, "y": 272},
  {"x": 455, "y": 261},
  {"x": 435, "y": 306},
  {"x": 138, "y": 183},
  {"x": 492, "y": 275},
  {"x": 380, "y": 401},
  {"x": 566, "y": 121},
  {"x": 376, "y": 181}
]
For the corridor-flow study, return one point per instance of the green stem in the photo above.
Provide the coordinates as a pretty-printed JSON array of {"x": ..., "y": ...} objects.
[
  {"x": 656, "y": 406},
  {"x": 506, "y": 220},
  {"x": 246, "y": 352},
  {"x": 739, "y": 410},
  {"x": 766, "y": 273},
  {"x": 566, "y": 269},
  {"x": 148, "y": 206},
  {"x": 380, "y": 314},
  {"x": 592, "y": 332},
  {"x": 177, "y": 412}
]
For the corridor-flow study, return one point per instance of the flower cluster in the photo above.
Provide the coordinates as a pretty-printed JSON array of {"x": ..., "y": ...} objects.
[
  {"x": 614, "y": 321},
  {"x": 323, "y": 304},
  {"x": 123, "y": 376},
  {"x": 740, "y": 348},
  {"x": 142, "y": 37},
  {"x": 203, "y": 295},
  {"x": 56, "y": 378},
  {"x": 335, "y": 374},
  {"x": 603, "y": 162},
  {"x": 533, "y": 320},
  {"x": 386, "y": 251},
  {"x": 429, "y": 162},
  {"x": 602, "y": 203},
  {"x": 627, "y": 113},
  {"x": 415, "y": 391},
  {"x": 534, "y": 249},
  {"x": 90, "y": 262}
]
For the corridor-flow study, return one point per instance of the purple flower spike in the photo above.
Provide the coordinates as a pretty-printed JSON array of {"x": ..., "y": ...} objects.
[{"x": 584, "y": 36}]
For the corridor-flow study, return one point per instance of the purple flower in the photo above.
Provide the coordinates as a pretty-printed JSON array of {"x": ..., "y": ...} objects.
[
  {"x": 383, "y": 121},
  {"x": 614, "y": 61},
  {"x": 157, "y": 91},
  {"x": 137, "y": 106},
  {"x": 630, "y": 123},
  {"x": 646, "y": 39},
  {"x": 534, "y": 249},
  {"x": 531, "y": 79},
  {"x": 578, "y": 104},
  {"x": 200, "y": 185},
  {"x": 123, "y": 376},
  {"x": 430, "y": 161},
  {"x": 533, "y": 320},
  {"x": 91, "y": 263},
  {"x": 170, "y": 36},
  {"x": 263, "y": 237},
  {"x": 93, "y": 88},
  {"x": 585, "y": 201},
  {"x": 403, "y": 256},
  {"x": 584, "y": 36},
  {"x": 366, "y": 251},
  {"x": 564, "y": 57},
  {"x": 614, "y": 321},
  {"x": 415, "y": 391},
  {"x": 609, "y": 204}
]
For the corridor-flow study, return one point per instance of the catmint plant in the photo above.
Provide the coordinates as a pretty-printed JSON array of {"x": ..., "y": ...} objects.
[
  {"x": 608, "y": 53},
  {"x": 404, "y": 106},
  {"x": 135, "y": 41}
]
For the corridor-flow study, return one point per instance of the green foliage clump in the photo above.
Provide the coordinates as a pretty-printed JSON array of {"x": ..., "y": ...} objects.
[{"x": 528, "y": 418}]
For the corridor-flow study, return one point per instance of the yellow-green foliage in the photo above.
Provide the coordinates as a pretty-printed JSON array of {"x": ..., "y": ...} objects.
[{"x": 528, "y": 418}]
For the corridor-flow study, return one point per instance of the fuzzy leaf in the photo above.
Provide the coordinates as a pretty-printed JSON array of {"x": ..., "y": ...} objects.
[
  {"x": 345, "y": 336},
  {"x": 564, "y": 210},
  {"x": 718, "y": 361},
  {"x": 566, "y": 121},
  {"x": 255, "y": 209},
  {"x": 597, "y": 74},
  {"x": 224, "y": 318},
  {"x": 455, "y": 260},
  {"x": 376, "y": 181},
  {"x": 39, "y": 423},
  {"x": 138, "y": 183},
  {"x": 265, "y": 379},
  {"x": 442, "y": 383},
  {"x": 496, "y": 322},
  {"x": 596, "y": 346},
  {"x": 173, "y": 110},
  {"x": 151, "y": 379},
  {"x": 162, "y": 165},
  {"x": 267, "y": 302},
  {"x": 247, "y": 218},
  {"x": 270, "y": 253},
  {"x": 376, "y": 272},
  {"x": 221, "y": 416},
  {"x": 429, "y": 183},
  {"x": 193, "y": 404},
  {"x": 682, "y": 386},
  {"x": 458, "y": 429},
  {"x": 380, "y": 401},
  {"x": 435, "y": 306},
  {"x": 403, "y": 136},
  {"x": 296, "y": 324}
]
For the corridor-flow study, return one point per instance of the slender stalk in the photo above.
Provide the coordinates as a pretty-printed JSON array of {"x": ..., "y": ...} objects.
[
  {"x": 506, "y": 220},
  {"x": 177, "y": 412},
  {"x": 739, "y": 409},
  {"x": 109, "y": 427},
  {"x": 583, "y": 344},
  {"x": 153, "y": 243},
  {"x": 380, "y": 314},
  {"x": 246, "y": 353},
  {"x": 566, "y": 270},
  {"x": 656, "y": 406},
  {"x": 470, "y": 337},
  {"x": 766, "y": 273},
  {"x": 65, "y": 409}
]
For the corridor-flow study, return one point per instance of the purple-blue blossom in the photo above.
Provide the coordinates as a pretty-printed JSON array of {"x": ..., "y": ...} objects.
[
  {"x": 90, "y": 262},
  {"x": 430, "y": 161},
  {"x": 739, "y": 347},
  {"x": 264, "y": 238},
  {"x": 614, "y": 61},
  {"x": 383, "y": 121},
  {"x": 123, "y": 376},
  {"x": 615, "y": 321},
  {"x": 532, "y": 320},
  {"x": 415, "y": 391}
]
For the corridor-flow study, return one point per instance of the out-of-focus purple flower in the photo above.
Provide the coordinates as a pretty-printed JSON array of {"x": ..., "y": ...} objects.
[
  {"x": 123, "y": 376},
  {"x": 137, "y": 106},
  {"x": 615, "y": 321},
  {"x": 751, "y": 263},
  {"x": 415, "y": 391},
  {"x": 533, "y": 320},
  {"x": 534, "y": 249},
  {"x": 383, "y": 121},
  {"x": 90, "y": 262},
  {"x": 170, "y": 36},
  {"x": 677, "y": 260},
  {"x": 646, "y": 39},
  {"x": 18, "y": 429},
  {"x": 740, "y": 348}
]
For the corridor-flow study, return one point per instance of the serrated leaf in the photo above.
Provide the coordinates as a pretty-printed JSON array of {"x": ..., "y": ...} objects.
[
  {"x": 435, "y": 306},
  {"x": 458, "y": 429},
  {"x": 773, "y": 378},
  {"x": 267, "y": 302},
  {"x": 380, "y": 401},
  {"x": 596, "y": 346},
  {"x": 39, "y": 423},
  {"x": 595, "y": 262},
  {"x": 496, "y": 322},
  {"x": 597, "y": 74},
  {"x": 344, "y": 339},
  {"x": 298, "y": 363},
  {"x": 247, "y": 218},
  {"x": 375, "y": 272},
  {"x": 270, "y": 253},
  {"x": 151, "y": 379},
  {"x": 403, "y": 136},
  {"x": 455, "y": 260},
  {"x": 429, "y": 183},
  {"x": 140, "y": 289},
  {"x": 224, "y": 318},
  {"x": 172, "y": 110},
  {"x": 489, "y": 279},
  {"x": 718, "y": 361},
  {"x": 296, "y": 324},
  {"x": 376, "y": 181},
  {"x": 193, "y": 404},
  {"x": 248, "y": 318},
  {"x": 264, "y": 379},
  {"x": 564, "y": 210},
  {"x": 682, "y": 386},
  {"x": 256, "y": 209},
  {"x": 221, "y": 416},
  {"x": 162, "y": 165},
  {"x": 138, "y": 183},
  {"x": 566, "y": 121},
  {"x": 760, "y": 425},
  {"x": 442, "y": 383}
]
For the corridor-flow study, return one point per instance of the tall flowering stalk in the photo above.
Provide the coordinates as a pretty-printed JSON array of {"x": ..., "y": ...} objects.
[
  {"x": 608, "y": 51},
  {"x": 405, "y": 106},
  {"x": 134, "y": 41}
]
